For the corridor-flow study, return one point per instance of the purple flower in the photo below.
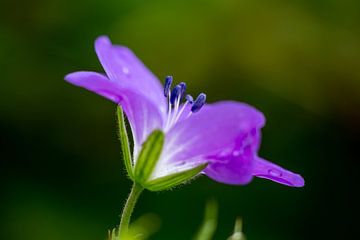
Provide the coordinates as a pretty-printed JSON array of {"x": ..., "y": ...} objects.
[{"x": 225, "y": 135}]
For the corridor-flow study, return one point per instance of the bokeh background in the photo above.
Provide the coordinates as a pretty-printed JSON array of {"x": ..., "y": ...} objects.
[{"x": 297, "y": 61}]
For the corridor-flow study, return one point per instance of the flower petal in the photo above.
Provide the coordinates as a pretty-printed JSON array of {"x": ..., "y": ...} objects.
[
  {"x": 268, "y": 170},
  {"x": 232, "y": 168},
  {"x": 143, "y": 114},
  {"x": 225, "y": 134},
  {"x": 94, "y": 82},
  {"x": 121, "y": 65}
]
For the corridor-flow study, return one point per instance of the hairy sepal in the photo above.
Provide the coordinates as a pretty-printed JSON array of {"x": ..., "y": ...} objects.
[
  {"x": 149, "y": 156},
  {"x": 173, "y": 180},
  {"x": 124, "y": 140}
]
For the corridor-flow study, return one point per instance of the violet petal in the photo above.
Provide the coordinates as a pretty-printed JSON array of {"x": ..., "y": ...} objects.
[
  {"x": 121, "y": 65},
  {"x": 225, "y": 134},
  {"x": 271, "y": 171},
  {"x": 143, "y": 114}
]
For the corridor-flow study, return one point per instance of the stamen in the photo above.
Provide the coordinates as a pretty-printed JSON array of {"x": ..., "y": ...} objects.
[
  {"x": 189, "y": 98},
  {"x": 175, "y": 96},
  {"x": 167, "y": 85},
  {"x": 169, "y": 104},
  {"x": 175, "y": 111},
  {"x": 183, "y": 89},
  {"x": 175, "y": 93},
  {"x": 199, "y": 103}
]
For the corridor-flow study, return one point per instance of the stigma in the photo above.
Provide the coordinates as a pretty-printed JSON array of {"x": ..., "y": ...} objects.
[{"x": 175, "y": 97}]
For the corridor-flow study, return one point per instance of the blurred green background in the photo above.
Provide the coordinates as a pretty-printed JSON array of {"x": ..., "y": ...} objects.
[{"x": 297, "y": 61}]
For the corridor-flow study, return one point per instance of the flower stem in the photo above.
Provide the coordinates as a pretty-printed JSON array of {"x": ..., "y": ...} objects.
[{"x": 128, "y": 209}]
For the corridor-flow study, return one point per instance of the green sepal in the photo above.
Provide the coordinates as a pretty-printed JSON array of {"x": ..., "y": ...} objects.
[
  {"x": 148, "y": 157},
  {"x": 172, "y": 180},
  {"x": 124, "y": 140}
]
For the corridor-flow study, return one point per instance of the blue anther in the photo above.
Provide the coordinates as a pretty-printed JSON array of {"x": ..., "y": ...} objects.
[
  {"x": 167, "y": 85},
  {"x": 199, "y": 102},
  {"x": 175, "y": 93},
  {"x": 189, "y": 98},
  {"x": 183, "y": 89}
]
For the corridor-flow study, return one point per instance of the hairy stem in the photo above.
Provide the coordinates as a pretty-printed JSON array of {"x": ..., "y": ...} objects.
[{"x": 128, "y": 209}]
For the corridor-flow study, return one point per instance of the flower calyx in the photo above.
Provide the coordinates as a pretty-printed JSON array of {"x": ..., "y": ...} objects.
[{"x": 141, "y": 171}]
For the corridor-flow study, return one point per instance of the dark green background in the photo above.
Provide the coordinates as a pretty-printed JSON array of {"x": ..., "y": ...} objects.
[{"x": 297, "y": 61}]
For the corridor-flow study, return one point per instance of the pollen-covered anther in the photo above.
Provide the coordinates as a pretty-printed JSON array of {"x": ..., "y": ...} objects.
[
  {"x": 175, "y": 94},
  {"x": 199, "y": 103},
  {"x": 167, "y": 85},
  {"x": 183, "y": 89}
]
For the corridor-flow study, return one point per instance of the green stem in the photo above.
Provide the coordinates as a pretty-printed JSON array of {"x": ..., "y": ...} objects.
[{"x": 128, "y": 209}]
